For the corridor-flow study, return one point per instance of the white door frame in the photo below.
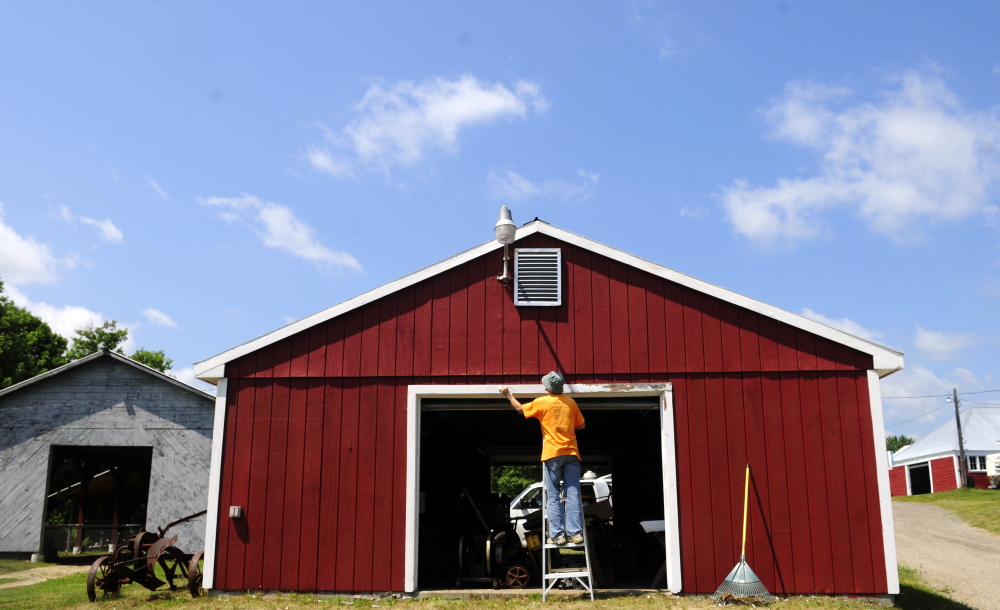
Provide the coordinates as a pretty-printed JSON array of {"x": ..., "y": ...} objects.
[{"x": 416, "y": 393}]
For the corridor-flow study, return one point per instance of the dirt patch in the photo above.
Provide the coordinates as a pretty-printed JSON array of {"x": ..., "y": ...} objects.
[
  {"x": 952, "y": 556},
  {"x": 37, "y": 575}
]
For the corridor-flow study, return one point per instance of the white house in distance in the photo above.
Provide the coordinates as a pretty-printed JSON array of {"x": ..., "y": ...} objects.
[{"x": 931, "y": 464}]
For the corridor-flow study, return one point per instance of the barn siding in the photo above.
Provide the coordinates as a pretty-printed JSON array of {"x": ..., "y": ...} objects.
[
  {"x": 944, "y": 474},
  {"x": 897, "y": 481},
  {"x": 746, "y": 388},
  {"x": 104, "y": 403}
]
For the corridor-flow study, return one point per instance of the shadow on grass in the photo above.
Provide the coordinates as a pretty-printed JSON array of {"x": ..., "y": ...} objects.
[{"x": 919, "y": 598}]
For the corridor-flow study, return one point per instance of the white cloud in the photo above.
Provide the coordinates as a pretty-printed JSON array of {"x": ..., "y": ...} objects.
[
  {"x": 665, "y": 45},
  {"x": 322, "y": 160},
  {"x": 63, "y": 320},
  {"x": 912, "y": 155},
  {"x": 697, "y": 213},
  {"x": 398, "y": 123},
  {"x": 845, "y": 324},
  {"x": 159, "y": 318},
  {"x": 153, "y": 184},
  {"x": 941, "y": 345},
  {"x": 186, "y": 375},
  {"x": 109, "y": 231},
  {"x": 23, "y": 260},
  {"x": 278, "y": 227},
  {"x": 508, "y": 184}
]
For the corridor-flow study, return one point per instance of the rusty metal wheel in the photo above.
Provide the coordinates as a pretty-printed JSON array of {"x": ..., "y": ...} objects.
[
  {"x": 102, "y": 577},
  {"x": 194, "y": 575},
  {"x": 517, "y": 577}
]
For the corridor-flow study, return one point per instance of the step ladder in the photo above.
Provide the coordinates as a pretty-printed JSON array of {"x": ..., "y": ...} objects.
[{"x": 551, "y": 577}]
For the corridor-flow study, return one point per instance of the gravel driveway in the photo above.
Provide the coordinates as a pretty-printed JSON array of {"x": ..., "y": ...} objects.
[{"x": 951, "y": 555}]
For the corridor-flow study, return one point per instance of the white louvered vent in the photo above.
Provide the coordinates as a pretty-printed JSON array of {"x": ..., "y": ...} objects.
[{"x": 538, "y": 276}]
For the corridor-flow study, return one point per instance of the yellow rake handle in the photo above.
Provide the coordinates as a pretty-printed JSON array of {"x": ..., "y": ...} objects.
[{"x": 746, "y": 497}]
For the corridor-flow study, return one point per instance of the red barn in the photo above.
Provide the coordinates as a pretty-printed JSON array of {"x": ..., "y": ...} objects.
[{"x": 343, "y": 441}]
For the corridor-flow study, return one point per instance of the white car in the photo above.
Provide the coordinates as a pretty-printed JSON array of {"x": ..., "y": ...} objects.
[{"x": 592, "y": 489}]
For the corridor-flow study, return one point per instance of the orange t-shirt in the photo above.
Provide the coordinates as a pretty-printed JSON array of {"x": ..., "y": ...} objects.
[{"x": 560, "y": 417}]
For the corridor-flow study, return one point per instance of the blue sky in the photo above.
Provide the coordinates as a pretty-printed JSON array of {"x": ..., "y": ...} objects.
[{"x": 207, "y": 172}]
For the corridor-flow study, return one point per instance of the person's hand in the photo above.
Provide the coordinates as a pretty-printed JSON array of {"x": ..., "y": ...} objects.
[{"x": 505, "y": 391}]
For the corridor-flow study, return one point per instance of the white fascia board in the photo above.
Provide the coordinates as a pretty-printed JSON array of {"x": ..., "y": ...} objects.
[
  {"x": 926, "y": 458},
  {"x": 886, "y": 360},
  {"x": 884, "y": 493},
  {"x": 208, "y": 369},
  {"x": 214, "y": 484}
]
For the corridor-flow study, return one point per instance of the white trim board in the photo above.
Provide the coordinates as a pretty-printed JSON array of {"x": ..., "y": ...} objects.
[
  {"x": 104, "y": 354},
  {"x": 415, "y": 393},
  {"x": 214, "y": 482},
  {"x": 886, "y": 360},
  {"x": 884, "y": 493}
]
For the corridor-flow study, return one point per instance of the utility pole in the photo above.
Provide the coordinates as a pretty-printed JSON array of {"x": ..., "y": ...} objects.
[{"x": 962, "y": 464}]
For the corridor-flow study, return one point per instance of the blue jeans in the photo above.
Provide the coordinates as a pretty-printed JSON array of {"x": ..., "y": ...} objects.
[{"x": 567, "y": 468}]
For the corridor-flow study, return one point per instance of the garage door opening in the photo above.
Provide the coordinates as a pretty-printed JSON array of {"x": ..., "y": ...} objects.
[
  {"x": 470, "y": 536},
  {"x": 920, "y": 479},
  {"x": 95, "y": 496}
]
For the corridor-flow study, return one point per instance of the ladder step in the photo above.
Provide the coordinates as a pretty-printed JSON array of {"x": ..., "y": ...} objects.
[
  {"x": 568, "y": 545},
  {"x": 566, "y": 573}
]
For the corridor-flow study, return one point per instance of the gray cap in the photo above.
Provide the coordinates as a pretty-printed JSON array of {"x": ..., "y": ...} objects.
[{"x": 553, "y": 382}]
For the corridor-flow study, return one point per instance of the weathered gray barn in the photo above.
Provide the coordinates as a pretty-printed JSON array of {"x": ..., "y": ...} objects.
[{"x": 87, "y": 440}]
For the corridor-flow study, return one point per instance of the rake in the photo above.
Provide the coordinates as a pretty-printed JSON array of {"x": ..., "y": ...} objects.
[{"x": 742, "y": 585}]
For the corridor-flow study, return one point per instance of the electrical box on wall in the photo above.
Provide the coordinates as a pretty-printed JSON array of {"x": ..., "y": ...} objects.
[{"x": 235, "y": 512}]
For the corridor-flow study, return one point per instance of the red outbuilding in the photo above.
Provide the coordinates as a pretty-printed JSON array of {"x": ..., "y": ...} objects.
[{"x": 348, "y": 444}]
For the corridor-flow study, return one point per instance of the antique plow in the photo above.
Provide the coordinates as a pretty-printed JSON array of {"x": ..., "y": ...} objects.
[{"x": 135, "y": 562}]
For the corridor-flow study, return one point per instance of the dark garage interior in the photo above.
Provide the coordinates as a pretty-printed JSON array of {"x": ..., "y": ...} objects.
[{"x": 466, "y": 537}]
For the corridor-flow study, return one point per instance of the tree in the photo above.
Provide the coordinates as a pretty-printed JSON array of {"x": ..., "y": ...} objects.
[
  {"x": 897, "y": 442},
  {"x": 90, "y": 340},
  {"x": 510, "y": 480},
  {"x": 155, "y": 360},
  {"x": 28, "y": 346}
]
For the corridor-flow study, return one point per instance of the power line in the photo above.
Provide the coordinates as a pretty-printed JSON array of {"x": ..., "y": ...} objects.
[
  {"x": 918, "y": 417},
  {"x": 938, "y": 395}
]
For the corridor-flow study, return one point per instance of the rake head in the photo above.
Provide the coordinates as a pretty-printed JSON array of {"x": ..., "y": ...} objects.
[{"x": 742, "y": 586}]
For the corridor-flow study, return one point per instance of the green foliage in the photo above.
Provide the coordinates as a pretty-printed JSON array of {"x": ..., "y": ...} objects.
[
  {"x": 510, "y": 480},
  {"x": 28, "y": 347},
  {"x": 155, "y": 360},
  {"x": 89, "y": 340},
  {"x": 897, "y": 442}
]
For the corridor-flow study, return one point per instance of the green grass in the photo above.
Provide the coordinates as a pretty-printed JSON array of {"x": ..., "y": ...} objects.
[
  {"x": 977, "y": 507},
  {"x": 9, "y": 566},
  {"x": 70, "y": 592}
]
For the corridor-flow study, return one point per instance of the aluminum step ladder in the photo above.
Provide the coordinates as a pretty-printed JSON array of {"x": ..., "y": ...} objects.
[{"x": 552, "y": 577}]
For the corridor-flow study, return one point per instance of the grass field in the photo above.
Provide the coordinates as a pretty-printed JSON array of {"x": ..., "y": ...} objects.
[
  {"x": 977, "y": 507},
  {"x": 9, "y": 566},
  {"x": 70, "y": 592}
]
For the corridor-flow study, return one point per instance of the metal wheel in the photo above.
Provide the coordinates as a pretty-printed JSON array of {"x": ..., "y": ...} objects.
[
  {"x": 517, "y": 576},
  {"x": 194, "y": 575},
  {"x": 102, "y": 577}
]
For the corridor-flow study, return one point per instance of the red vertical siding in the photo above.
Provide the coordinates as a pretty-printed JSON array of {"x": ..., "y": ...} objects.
[
  {"x": 315, "y": 440},
  {"x": 897, "y": 481},
  {"x": 944, "y": 474}
]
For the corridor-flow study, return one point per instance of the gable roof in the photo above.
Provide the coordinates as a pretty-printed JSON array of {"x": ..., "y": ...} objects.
[
  {"x": 980, "y": 432},
  {"x": 104, "y": 354},
  {"x": 886, "y": 360}
]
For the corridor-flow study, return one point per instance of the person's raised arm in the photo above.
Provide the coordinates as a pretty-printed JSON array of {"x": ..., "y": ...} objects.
[{"x": 513, "y": 401}]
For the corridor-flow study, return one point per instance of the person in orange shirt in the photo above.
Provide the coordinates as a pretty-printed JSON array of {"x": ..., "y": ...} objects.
[{"x": 560, "y": 418}]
